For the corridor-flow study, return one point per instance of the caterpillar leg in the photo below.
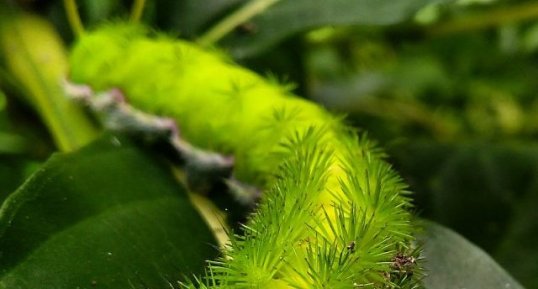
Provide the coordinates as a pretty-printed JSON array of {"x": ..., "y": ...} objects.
[
  {"x": 78, "y": 92},
  {"x": 204, "y": 169}
]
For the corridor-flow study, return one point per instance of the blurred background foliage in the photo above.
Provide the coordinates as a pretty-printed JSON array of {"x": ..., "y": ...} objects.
[{"x": 451, "y": 94}]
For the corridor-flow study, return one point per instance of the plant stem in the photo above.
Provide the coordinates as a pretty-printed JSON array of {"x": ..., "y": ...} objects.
[
  {"x": 138, "y": 9},
  {"x": 73, "y": 17},
  {"x": 240, "y": 16},
  {"x": 492, "y": 18}
]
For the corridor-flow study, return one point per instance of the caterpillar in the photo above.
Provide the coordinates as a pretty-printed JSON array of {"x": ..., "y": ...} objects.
[{"x": 333, "y": 215}]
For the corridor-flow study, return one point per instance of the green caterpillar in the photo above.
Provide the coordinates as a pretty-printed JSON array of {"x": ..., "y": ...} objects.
[{"x": 333, "y": 215}]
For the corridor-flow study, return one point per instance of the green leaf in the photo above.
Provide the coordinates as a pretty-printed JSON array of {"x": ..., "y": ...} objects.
[
  {"x": 190, "y": 17},
  {"x": 36, "y": 59},
  {"x": 13, "y": 172},
  {"x": 453, "y": 262},
  {"x": 107, "y": 216},
  {"x": 289, "y": 17}
]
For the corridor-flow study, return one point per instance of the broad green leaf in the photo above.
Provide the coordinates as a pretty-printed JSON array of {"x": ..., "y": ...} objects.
[
  {"x": 107, "y": 216},
  {"x": 289, "y": 17},
  {"x": 453, "y": 262}
]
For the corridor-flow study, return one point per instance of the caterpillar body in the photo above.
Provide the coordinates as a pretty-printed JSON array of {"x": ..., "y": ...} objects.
[{"x": 333, "y": 214}]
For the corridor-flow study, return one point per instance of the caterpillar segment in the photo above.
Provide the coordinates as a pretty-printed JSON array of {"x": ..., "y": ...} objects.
[{"x": 333, "y": 213}]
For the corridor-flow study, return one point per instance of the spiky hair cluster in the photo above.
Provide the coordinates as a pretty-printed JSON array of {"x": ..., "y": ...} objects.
[{"x": 333, "y": 214}]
